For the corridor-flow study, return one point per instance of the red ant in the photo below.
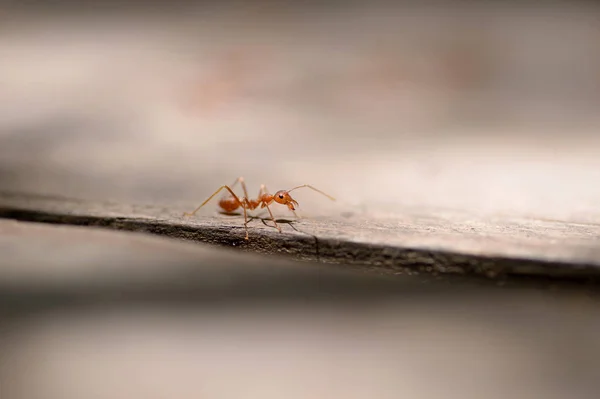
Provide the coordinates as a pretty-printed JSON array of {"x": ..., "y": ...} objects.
[{"x": 230, "y": 203}]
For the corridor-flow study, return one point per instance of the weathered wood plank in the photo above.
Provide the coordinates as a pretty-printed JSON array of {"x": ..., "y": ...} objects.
[
  {"x": 422, "y": 183},
  {"x": 436, "y": 242},
  {"x": 522, "y": 183},
  {"x": 78, "y": 262}
]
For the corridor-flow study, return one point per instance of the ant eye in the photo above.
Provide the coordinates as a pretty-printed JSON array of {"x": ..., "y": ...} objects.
[{"x": 280, "y": 195}]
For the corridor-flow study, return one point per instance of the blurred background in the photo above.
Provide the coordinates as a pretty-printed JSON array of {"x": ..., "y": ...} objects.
[{"x": 481, "y": 106}]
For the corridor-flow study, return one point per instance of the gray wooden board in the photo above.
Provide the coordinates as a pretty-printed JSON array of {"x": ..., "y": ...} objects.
[
  {"x": 406, "y": 242},
  {"x": 52, "y": 261},
  {"x": 496, "y": 176}
]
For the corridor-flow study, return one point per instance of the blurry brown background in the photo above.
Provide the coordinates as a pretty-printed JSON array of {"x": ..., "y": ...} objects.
[{"x": 484, "y": 107}]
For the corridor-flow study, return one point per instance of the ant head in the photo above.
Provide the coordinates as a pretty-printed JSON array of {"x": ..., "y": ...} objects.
[{"x": 283, "y": 197}]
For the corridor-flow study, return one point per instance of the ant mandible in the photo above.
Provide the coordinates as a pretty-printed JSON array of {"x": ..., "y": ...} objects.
[{"x": 230, "y": 203}]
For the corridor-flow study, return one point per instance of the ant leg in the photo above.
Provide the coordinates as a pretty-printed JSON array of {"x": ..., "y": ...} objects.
[
  {"x": 240, "y": 203},
  {"x": 211, "y": 197},
  {"x": 242, "y": 182},
  {"x": 245, "y": 221},
  {"x": 263, "y": 190},
  {"x": 273, "y": 218}
]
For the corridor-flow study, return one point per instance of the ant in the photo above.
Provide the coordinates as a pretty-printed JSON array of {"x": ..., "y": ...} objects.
[{"x": 230, "y": 203}]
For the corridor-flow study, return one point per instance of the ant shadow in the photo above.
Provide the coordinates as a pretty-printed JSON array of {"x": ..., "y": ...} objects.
[
  {"x": 290, "y": 222},
  {"x": 263, "y": 218}
]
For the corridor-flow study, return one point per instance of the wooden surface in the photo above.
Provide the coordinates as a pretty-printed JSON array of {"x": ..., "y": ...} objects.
[
  {"x": 397, "y": 243},
  {"x": 437, "y": 162},
  {"x": 457, "y": 142},
  {"x": 69, "y": 264}
]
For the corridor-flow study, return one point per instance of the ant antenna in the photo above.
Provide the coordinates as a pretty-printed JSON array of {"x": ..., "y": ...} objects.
[{"x": 311, "y": 187}]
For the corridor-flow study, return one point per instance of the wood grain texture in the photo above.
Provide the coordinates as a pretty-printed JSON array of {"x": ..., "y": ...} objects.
[{"x": 410, "y": 242}]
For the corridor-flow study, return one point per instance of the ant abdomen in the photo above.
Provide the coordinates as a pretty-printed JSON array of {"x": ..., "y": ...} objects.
[{"x": 229, "y": 204}]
